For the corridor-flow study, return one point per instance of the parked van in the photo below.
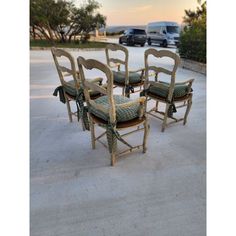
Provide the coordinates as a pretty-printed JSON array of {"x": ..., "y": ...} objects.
[{"x": 164, "y": 33}]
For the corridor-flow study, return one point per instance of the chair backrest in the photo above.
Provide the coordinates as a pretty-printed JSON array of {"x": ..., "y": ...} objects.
[
  {"x": 88, "y": 85},
  {"x": 116, "y": 61},
  {"x": 65, "y": 70},
  {"x": 157, "y": 69}
]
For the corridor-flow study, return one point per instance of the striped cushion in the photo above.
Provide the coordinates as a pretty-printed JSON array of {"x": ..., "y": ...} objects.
[
  {"x": 70, "y": 89},
  {"x": 179, "y": 90},
  {"x": 122, "y": 114},
  {"x": 119, "y": 77}
]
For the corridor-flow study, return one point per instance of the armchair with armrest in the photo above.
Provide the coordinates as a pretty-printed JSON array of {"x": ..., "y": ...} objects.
[
  {"x": 127, "y": 79},
  {"x": 112, "y": 112},
  {"x": 170, "y": 93}
]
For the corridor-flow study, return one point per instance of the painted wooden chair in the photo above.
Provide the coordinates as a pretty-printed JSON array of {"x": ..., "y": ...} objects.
[
  {"x": 112, "y": 112},
  {"x": 70, "y": 82},
  {"x": 126, "y": 79},
  {"x": 170, "y": 93}
]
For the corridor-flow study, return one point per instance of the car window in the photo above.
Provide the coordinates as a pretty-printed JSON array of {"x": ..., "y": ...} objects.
[
  {"x": 158, "y": 29},
  {"x": 172, "y": 29},
  {"x": 130, "y": 31},
  {"x": 163, "y": 29},
  {"x": 152, "y": 30},
  {"x": 139, "y": 31}
]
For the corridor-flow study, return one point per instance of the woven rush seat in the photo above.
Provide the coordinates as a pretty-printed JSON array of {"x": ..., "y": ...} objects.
[
  {"x": 69, "y": 88},
  {"x": 122, "y": 114},
  {"x": 119, "y": 77},
  {"x": 179, "y": 90}
]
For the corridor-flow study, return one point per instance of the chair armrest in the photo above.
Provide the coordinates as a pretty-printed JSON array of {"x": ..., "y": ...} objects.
[
  {"x": 142, "y": 70},
  {"x": 138, "y": 70},
  {"x": 190, "y": 81},
  {"x": 114, "y": 65},
  {"x": 104, "y": 86},
  {"x": 97, "y": 80},
  {"x": 159, "y": 85}
]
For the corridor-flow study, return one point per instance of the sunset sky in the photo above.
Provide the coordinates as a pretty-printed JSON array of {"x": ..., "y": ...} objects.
[{"x": 140, "y": 12}]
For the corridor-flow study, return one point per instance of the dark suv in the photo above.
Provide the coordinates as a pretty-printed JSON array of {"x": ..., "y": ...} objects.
[{"x": 133, "y": 36}]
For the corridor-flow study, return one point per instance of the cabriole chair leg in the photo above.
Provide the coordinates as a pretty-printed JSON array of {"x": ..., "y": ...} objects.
[
  {"x": 113, "y": 159},
  {"x": 187, "y": 111},
  {"x": 92, "y": 132},
  {"x": 165, "y": 118},
  {"x": 146, "y": 130},
  {"x": 68, "y": 109}
]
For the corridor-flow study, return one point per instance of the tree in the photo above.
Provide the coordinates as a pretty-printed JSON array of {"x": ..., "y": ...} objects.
[
  {"x": 47, "y": 16},
  {"x": 86, "y": 19},
  {"x": 61, "y": 20},
  {"x": 193, "y": 38}
]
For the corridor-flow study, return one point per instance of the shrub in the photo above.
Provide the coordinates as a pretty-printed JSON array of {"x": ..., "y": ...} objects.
[{"x": 193, "y": 37}]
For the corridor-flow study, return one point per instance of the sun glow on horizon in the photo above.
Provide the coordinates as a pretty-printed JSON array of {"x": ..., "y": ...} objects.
[{"x": 140, "y": 12}]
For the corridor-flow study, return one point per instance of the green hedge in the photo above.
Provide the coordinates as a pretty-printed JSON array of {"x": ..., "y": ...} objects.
[{"x": 193, "y": 44}]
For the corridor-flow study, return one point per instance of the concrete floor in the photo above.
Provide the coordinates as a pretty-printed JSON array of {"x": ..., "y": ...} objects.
[{"x": 74, "y": 191}]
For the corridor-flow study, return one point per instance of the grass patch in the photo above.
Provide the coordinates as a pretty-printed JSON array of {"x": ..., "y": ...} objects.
[{"x": 47, "y": 44}]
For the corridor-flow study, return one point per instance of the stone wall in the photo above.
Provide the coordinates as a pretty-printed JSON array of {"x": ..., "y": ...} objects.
[{"x": 193, "y": 65}]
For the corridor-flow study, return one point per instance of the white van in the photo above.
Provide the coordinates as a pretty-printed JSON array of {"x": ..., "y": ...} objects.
[{"x": 164, "y": 33}]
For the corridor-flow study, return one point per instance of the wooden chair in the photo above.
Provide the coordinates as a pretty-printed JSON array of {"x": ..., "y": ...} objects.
[
  {"x": 112, "y": 112},
  {"x": 170, "y": 93},
  {"x": 127, "y": 80},
  {"x": 70, "y": 82}
]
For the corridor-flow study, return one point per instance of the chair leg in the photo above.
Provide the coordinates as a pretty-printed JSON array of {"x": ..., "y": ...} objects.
[
  {"x": 123, "y": 91},
  {"x": 146, "y": 131},
  {"x": 165, "y": 118},
  {"x": 112, "y": 145},
  {"x": 156, "y": 107},
  {"x": 113, "y": 159},
  {"x": 187, "y": 110},
  {"x": 92, "y": 132},
  {"x": 68, "y": 109}
]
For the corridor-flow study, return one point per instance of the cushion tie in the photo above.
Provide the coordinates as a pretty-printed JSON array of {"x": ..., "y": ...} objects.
[
  {"x": 113, "y": 133},
  {"x": 144, "y": 92},
  {"x": 60, "y": 90},
  {"x": 128, "y": 89},
  {"x": 81, "y": 109},
  {"x": 171, "y": 109}
]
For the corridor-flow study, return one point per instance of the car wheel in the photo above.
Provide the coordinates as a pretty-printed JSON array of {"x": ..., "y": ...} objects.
[
  {"x": 120, "y": 42},
  {"x": 142, "y": 44},
  {"x": 164, "y": 44},
  {"x": 149, "y": 42}
]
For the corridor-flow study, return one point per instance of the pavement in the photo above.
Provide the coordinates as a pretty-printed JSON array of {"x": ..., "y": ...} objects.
[{"x": 74, "y": 190}]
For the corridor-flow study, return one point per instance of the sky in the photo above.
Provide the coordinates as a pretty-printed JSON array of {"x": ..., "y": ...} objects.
[{"x": 141, "y": 12}]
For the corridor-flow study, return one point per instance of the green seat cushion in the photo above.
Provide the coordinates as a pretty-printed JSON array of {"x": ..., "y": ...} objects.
[
  {"x": 119, "y": 77},
  {"x": 179, "y": 90},
  {"x": 122, "y": 114},
  {"x": 69, "y": 88}
]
